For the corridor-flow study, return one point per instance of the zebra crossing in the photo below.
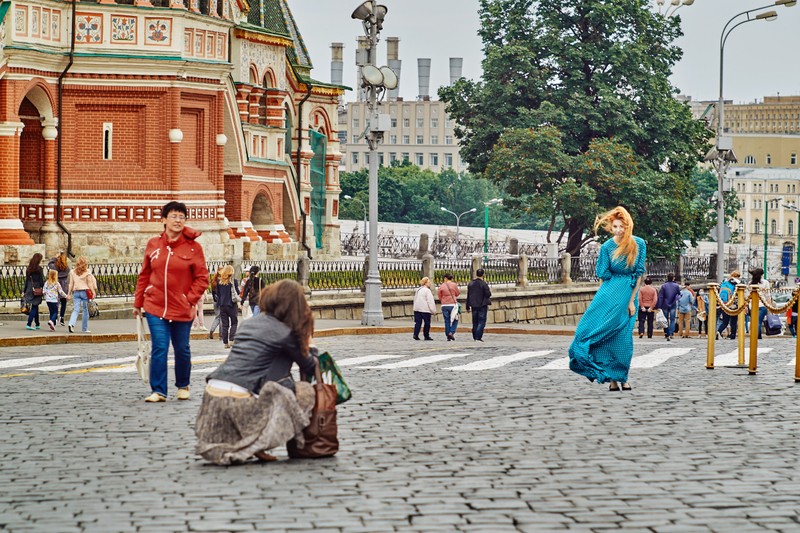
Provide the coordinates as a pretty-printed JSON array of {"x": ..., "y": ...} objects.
[{"x": 450, "y": 361}]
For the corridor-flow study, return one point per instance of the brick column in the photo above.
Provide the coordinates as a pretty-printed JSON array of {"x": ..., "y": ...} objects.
[
  {"x": 11, "y": 229},
  {"x": 255, "y": 101}
]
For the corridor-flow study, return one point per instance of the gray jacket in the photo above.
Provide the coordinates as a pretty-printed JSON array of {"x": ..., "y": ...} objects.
[{"x": 264, "y": 351}]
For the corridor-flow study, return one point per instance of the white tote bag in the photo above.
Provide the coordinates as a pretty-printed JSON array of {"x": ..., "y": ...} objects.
[
  {"x": 660, "y": 321},
  {"x": 143, "y": 353}
]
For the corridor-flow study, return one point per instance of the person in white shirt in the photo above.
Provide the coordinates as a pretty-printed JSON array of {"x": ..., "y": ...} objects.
[{"x": 424, "y": 308}]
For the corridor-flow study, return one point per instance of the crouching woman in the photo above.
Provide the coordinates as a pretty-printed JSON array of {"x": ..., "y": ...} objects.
[{"x": 251, "y": 403}]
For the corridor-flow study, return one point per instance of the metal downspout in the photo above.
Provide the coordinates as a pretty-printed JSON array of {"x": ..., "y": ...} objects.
[
  {"x": 61, "y": 134},
  {"x": 297, "y": 162}
]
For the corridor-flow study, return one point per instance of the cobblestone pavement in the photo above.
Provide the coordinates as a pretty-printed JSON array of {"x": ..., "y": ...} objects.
[{"x": 441, "y": 436}]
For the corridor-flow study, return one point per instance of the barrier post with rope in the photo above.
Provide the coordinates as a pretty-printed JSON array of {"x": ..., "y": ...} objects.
[
  {"x": 755, "y": 327},
  {"x": 712, "y": 320},
  {"x": 741, "y": 300},
  {"x": 797, "y": 355}
]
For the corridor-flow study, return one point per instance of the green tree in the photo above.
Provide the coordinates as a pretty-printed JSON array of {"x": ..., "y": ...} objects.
[{"x": 575, "y": 115}]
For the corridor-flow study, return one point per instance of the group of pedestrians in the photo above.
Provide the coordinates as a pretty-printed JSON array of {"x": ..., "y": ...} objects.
[
  {"x": 677, "y": 303},
  {"x": 54, "y": 288},
  {"x": 478, "y": 301}
]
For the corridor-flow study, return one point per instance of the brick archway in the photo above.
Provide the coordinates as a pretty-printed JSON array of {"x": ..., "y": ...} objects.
[{"x": 262, "y": 216}]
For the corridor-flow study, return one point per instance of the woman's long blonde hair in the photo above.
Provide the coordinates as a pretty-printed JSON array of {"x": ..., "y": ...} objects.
[
  {"x": 81, "y": 266},
  {"x": 52, "y": 276},
  {"x": 627, "y": 246},
  {"x": 225, "y": 275}
]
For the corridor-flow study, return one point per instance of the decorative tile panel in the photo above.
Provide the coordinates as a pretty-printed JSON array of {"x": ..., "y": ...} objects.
[
  {"x": 123, "y": 29},
  {"x": 55, "y": 26},
  {"x": 21, "y": 20},
  {"x": 158, "y": 31},
  {"x": 188, "y": 38},
  {"x": 46, "y": 24},
  {"x": 36, "y": 17},
  {"x": 89, "y": 28},
  {"x": 199, "y": 43},
  {"x": 222, "y": 38},
  {"x": 210, "y": 44}
]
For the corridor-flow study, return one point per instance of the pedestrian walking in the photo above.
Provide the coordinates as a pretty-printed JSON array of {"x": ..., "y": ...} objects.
[
  {"x": 424, "y": 308},
  {"x": 228, "y": 303},
  {"x": 448, "y": 293},
  {"x": 756, "y": 278},
  {"x": 199, "y": 318},
  {"x": 702, "y": 312},
  {"x": 52, "y": 294},
  {"x": 668, "y": 303},
  {"x": 247, "y": 311},
  {"x": 727, "y": 292},
  {"x": 603, "y": 345},
  {"x": 60, "y": 264},
  {"x": 33, "y": 290},
  {"x": 648, "y": 296},
  {"x": 478, "y": 301},
  {"x": 172, "y": 280},
  {"x": 686, "y": 302},
  {"x": 251, "y": 403},
  {"x": 252, "y": 289},
  {"x": 215, "y": 322},
  {"x": 82, "y": 288}
]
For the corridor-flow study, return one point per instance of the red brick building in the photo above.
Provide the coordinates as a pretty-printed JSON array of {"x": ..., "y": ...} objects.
[{"x": 210, "y": 103}]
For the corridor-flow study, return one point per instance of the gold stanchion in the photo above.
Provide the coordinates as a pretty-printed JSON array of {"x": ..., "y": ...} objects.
[
  {"x": 754, "y": 329},
  {"x": 740, "y": 333},
  {"x": 797, "y": 353},
  {"x": 711, "y": 315}
]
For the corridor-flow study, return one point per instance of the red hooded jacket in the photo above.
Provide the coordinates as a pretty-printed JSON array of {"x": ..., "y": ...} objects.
[{"x": 173, "y": 278}]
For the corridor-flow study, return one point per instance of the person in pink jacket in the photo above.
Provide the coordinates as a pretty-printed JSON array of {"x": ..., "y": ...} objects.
[
  {"x": 648, "y": 295},
  {"x": 448, "y": 292}
]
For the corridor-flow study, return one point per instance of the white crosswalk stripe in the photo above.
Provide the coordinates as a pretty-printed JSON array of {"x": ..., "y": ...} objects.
[
  {"x": 351, "y": 361},
  {"x": 557, "y": 364},
  {"x": 419, "y": 361},
  {"x": 99, "y": 362},
  {"x": 732, "y": 358},
  {"x": 499, "y": 361},
  {"x": 656, "y": 357},
  {"x": 13, "y": 363}
]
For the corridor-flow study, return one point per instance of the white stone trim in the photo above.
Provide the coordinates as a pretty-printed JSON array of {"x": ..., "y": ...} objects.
[
  {"x": 263, "y": 180},
  {"x": 9, "y": 201},
  {"x": 270, "y": 227},
  {"x": 13, "y": 223},
  {"x": 117, "y": 191},
  {"x": 243, "y": 224},
  {"x": 117, "y": 203},
  {"x": 10, "y": 129}
]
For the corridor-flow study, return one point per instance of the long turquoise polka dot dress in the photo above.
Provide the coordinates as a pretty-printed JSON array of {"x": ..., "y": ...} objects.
[{"x": 603, "y": 343}]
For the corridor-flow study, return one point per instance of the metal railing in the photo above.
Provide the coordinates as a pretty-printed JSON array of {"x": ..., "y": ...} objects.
[
  {"x": 583, "y": 268},
  {"x": 330, "y": 275},
  {"x": 407, "y": 246},
  {"x": 543, "y": 270},
  {"x": 501, "y": 271}
]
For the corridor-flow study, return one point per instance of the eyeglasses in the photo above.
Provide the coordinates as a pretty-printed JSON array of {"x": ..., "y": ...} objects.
[{"x": 177, "y": 217}]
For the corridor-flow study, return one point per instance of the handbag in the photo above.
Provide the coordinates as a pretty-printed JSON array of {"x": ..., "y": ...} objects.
[
  {"x": 332, "y": 375},
  {"x": 142, "y": 353},
  {"x": 38, "y": 291},
  {"x": 660, "y": 321},
  {"x": 94, "y": 309},
  {"x": 90, "y": 294},
  {"x": 24, "y": 306},
  {"x": 321, "y": 434}
]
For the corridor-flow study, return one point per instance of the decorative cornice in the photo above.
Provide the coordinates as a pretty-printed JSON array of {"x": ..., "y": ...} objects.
[{"x": 262, "y": 38}]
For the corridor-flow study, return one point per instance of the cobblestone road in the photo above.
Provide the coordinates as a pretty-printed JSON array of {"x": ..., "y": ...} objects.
[{"x": 438, "y": 437}]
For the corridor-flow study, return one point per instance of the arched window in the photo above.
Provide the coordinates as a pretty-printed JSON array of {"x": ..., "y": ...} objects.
[
  {"x": 749, "y": 160},
  {"x": 791, "y": 227},
  {"x": 773, "y": 227},
  {"x": 253, "y": 75},
  {"x": 769, "y": 159},
  {"x": 757, "y": 226}
]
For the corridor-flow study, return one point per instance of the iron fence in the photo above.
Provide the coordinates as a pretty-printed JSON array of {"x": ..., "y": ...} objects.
[
  {"x": 544, "y": 270},
  {"x": 330, "y": 275},
  {"x": 659, "y": 267},
  {"x": 12, "y": 281},
  {"x": 400, "y": 274},
  {"x": 584, "y": 268},
  {"x": 405, "y": 246},
  {"x": 698, "y": 268},
  {"x": 460, "y": 269},
  {"x": 501, "y": 271}
]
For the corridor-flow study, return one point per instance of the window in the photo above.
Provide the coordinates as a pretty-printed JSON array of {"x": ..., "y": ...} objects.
[
  {"x": 406, "y": 139},
  {"x": 750, "y": 160},
  {"x": 108, "y": 137},
  {"x": 448, "y": 123},
  {"x": 380, "y": 158},
  {"x": 448, "y": 160},
  {"x": 392, "y": 139},
  {"x": 392, "y": 157},
  {"x": 355, "y": 122},
  {"x": 434, "y": 160},
  {"x": 757, "y": 227},
  {"x": 434, "y": 139},
  {"x": 420, "y": 139},
  {"x": 355, "y": 139},
  {"x": 406, "y": 122},
  {"x": 420, "y": 122},
  {"x": 773, "y": 227},
  {"x": 366, "y": 158},
  {"x": 791, "y": 227},
  {"x": 794, "y": 159},
  {"x": 355, "y": 158},
  {"x": 769, "y": 159},
  {"x": 406, "y": 157},
  {"x": 448, "y": 139},
  {"x": 741, "y": 225},
  {"x": 394, "y": 122},
  {"x": 434, "y": 122},
  {"x": 420, "y": 159}
]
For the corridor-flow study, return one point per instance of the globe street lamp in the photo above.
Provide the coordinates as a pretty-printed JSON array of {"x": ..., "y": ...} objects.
[
  {"x": 673, "y": 6},
  {"x": 486, "y": 224},
  {"x": 375, "y": 81},
  {"x": 722, "y": 154},
  {"x": 458, "y": 226},
  {"x": 348, "y": 197}
]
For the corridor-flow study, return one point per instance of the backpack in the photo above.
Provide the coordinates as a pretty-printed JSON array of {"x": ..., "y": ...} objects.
[{"x": 726, "y": 290}]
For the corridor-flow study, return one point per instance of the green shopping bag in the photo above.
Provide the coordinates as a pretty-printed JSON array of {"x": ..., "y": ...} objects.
[{"x": 332, "y": 375}]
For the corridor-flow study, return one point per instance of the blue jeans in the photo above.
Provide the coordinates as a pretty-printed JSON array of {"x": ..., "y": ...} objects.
[
  {"x": 161, "y": 332},
  {"x": 53, "y": 308},
  {"x": 669, "y": 313},
  {"x": 449, "y": 329},
  {"x": 255, "y": 309},
  {"x": 762, "y": 314},
  {"x": 80, "y": 302},
  {"x": 479, "y": 321}
]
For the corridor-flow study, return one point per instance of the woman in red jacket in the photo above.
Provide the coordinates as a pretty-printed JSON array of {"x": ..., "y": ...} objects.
[{"x": 171, "y": 283}]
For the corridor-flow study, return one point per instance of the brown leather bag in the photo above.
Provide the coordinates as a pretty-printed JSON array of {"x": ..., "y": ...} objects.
[{"x": 321, "y": 434}]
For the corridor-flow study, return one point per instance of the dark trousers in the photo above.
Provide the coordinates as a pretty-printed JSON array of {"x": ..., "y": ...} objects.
[
  {"x": 478, "y": 321},
  {"x": 33, "y": 314},
  {"x": 646, "y": 316},
  {"x": 421, "y": 318},
  {"x": 228, "y": 321},
  {"x": 702, "y": 324},
  {"x": 53, "y": 308},
  {"x": 733, "y": 321},
  {"x": 63, "y": 308}
]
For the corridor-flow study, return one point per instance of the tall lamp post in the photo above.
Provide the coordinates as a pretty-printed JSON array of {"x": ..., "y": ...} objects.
[
  {"x": 486, "y": 224},
  {"x": 375, "y": 81},
  {"x": 767, "y": 225},
  {"x": 348, "y": 197},
  {"x": 458, "y": 225},
  {"x": 722, "y": 154},
  {"x": 796, "y": 209}
]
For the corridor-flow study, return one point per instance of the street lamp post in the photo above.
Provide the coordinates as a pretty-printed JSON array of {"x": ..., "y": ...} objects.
[
  {"x": 723, "y": 154},
  {"x": 458, "y": 225},
  {"x": 348, "y": 197},
  {"x": 796, "y": 209},
  {"x": 767, "y": 225},
  {"x": 486, "y": 224},
  {"x": 375, "y": 81},
  {"x": 674, "y": 5}
]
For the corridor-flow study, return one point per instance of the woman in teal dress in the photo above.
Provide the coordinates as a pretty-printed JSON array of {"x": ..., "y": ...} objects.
[{"x": 603, "y": 345}]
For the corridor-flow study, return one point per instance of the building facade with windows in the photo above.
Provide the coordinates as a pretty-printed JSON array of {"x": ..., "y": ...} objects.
[{"x": 207, "y": 102}]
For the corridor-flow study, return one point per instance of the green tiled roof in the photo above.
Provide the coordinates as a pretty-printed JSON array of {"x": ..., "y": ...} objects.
[
  {"x": 268, "y": 14},
  {"x": 298, "y": 54},
  {"x": 275, "y": 17}
]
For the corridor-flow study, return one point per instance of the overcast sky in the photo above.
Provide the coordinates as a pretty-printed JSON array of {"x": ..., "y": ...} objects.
[{"x": 761, "y": 58}]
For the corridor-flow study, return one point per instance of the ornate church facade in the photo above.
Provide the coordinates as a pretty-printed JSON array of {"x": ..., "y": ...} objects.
[{"x": 110, "y": 109}]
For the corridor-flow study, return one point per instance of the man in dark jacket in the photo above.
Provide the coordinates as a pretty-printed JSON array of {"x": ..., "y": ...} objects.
[
  {"x": 668, "y": 303},
  {"x": 478, "y": 301}
]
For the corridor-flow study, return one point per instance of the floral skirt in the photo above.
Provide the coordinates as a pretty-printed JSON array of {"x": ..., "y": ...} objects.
[{"x": 231, "y": 429}]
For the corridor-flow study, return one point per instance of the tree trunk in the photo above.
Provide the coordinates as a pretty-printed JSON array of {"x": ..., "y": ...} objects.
[{"x": 575, "y": 237}]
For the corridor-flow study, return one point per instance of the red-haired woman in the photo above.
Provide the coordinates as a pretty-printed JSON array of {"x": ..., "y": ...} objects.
[{"x": 603, "y": 345}]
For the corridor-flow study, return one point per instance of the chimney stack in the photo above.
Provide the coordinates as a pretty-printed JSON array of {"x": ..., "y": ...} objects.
[
  {"x": 456, "y": 66},
  {"x": 394, "y": 63},
  {"x": 337, "y": 63},
  {"x": 424, "y": 76},
  {"x": 363, "y": 44}
]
